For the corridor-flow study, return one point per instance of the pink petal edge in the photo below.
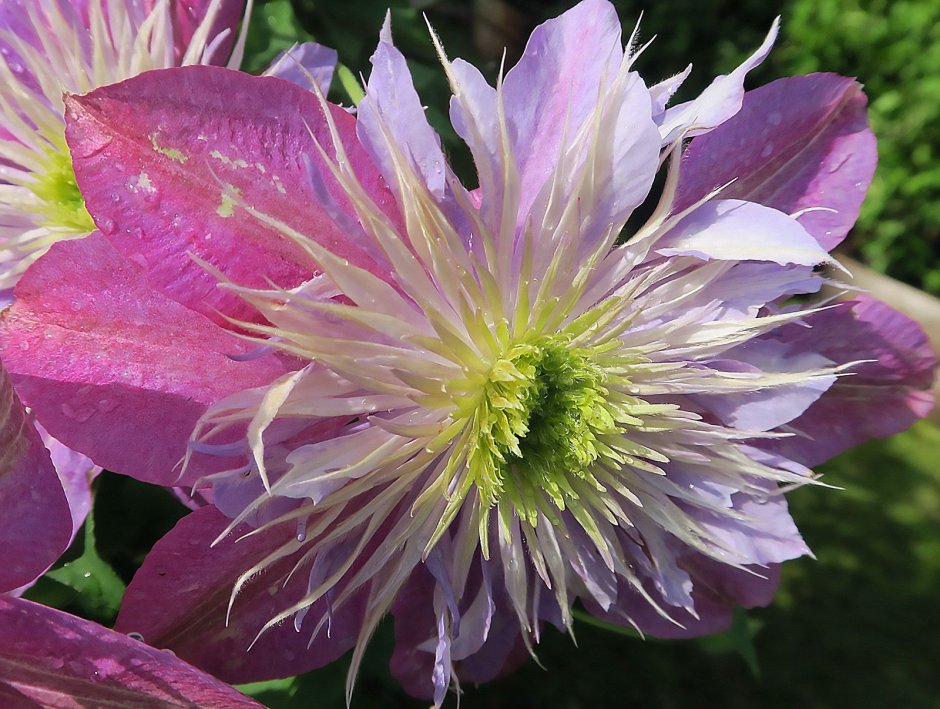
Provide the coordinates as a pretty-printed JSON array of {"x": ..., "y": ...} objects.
[
  {"x": 51, "y": 659},
  {"x": 35, "y": 525}
]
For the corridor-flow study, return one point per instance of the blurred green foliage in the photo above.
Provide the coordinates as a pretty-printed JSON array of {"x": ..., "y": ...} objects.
[{"x": 894, "y": 49}]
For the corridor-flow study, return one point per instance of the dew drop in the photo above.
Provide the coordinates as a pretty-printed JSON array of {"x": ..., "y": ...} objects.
[
  {"x": 105, "y": 224},
  {"x": 301, "y": 530}
]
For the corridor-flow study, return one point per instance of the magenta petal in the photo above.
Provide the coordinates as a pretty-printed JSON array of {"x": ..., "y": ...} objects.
[
  {"x": 51, "y": 659},
  {"x": 178, "y": 600},
  {"x": 189, "y": 14},
  {"x": 797, "y": 143},
  {"x": 114, "y": 369},
  {"x": 35, "y": 524},
  {"x": 153, "y": 154},
  {"x": 882, "y": 397}
]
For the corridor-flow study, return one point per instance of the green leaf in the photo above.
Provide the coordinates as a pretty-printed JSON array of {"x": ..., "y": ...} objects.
[
  {"x": 589, "y": 619},
  {"x": 350, "y": 84},
  {"x": 273, "y": 693},
  {"x": 741, "y": 637},
  {"x": 274, "y": 28},
  {"x": 99, "y": 589}
]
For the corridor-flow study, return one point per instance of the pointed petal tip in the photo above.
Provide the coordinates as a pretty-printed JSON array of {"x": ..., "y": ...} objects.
[{"x": 385, "y": 34}]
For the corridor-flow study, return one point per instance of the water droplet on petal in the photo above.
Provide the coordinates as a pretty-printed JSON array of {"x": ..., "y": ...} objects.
[{"x": 105, "y": 224}]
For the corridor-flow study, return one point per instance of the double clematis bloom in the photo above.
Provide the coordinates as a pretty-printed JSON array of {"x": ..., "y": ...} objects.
[{"x": 471, "y": 408}]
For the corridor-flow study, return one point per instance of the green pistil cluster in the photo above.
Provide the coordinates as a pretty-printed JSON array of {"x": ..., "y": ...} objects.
[
  {"x": 62, "y": 203},
  {"x": 539, "y": 424}
]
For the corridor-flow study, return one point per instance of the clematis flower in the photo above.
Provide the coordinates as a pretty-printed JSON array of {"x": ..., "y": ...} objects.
[
  {"x": 51, "y": 659},
  {"x": 469, "y": 408}
]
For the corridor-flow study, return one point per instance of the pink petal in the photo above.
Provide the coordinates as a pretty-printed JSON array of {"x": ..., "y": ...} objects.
[
  {"x": 35, "y": 525},
  {"x": 51, "y": 659},
  {"x": 178, "y": 600},
  {"x": 152, "y": 154},
  {"x": 189, "y": 14},
  {"x": 882, "y": 397},
  {"x": 114, "y": 369},
  {"x": 76, "y": 473},
  {"x": 797, "y": 143}
]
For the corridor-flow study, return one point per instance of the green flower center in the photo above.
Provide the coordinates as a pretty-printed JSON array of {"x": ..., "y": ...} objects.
[
  {"x": 62, "y": 203},
  {"x": 540, "y": 423}
]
